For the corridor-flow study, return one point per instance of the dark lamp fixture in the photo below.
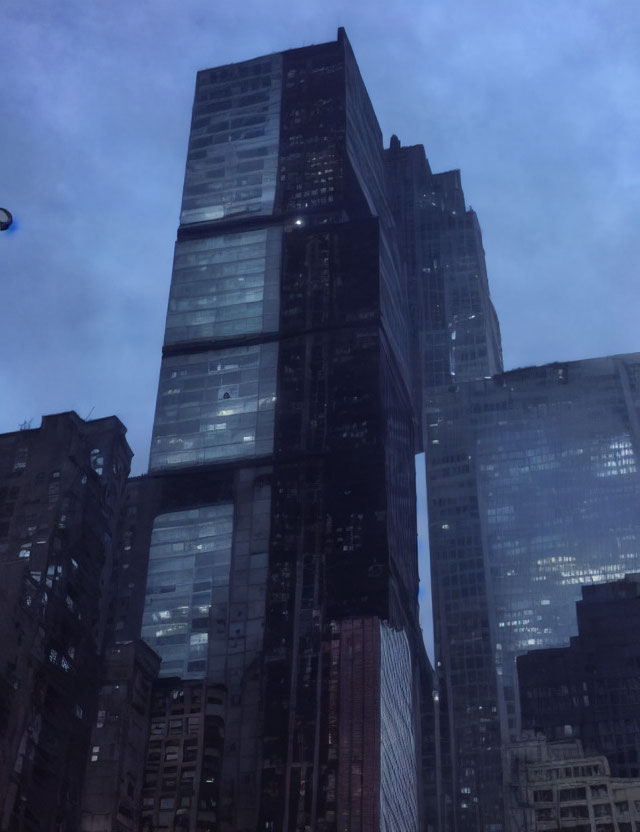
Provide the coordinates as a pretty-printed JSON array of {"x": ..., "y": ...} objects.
[{"x": 5, "y": 219}]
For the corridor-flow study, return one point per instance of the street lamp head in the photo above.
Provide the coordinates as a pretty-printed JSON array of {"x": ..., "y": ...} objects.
[{"x": 5, "y": 219}]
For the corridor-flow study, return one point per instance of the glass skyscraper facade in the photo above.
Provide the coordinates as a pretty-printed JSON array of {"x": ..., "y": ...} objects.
[
  {"x": 455, "y": 333},
  {"x": 455, "y": 338},
  {"x": 282, "y": 567},
  {"x": 534, "y": 491},
  {"x": 189, "y": 559}
]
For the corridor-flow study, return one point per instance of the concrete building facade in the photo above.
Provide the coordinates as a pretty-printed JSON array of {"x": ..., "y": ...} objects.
[{"x": 60, "y": 489}]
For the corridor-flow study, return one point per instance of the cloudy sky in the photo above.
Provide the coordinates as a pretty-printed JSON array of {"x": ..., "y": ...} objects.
[{"x": 538, "y": 103}]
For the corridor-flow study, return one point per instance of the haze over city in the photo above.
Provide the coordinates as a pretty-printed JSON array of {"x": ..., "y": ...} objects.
[
  {"x": 535, "y": 105},
  {"x": 266, "y": 567}
]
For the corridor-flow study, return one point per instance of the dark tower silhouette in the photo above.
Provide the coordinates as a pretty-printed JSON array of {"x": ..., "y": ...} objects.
[{"x": 283, "y": 566}]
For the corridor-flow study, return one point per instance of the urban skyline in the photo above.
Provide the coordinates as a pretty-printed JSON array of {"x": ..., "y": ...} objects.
[{"x": 253, "y": 303}]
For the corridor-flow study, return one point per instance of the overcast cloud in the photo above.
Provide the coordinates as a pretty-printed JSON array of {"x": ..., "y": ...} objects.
[{"x": 538, "y": 103}]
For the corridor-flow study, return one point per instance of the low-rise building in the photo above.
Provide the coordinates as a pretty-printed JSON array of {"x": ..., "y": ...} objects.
[{"x": 556, "y": 786}]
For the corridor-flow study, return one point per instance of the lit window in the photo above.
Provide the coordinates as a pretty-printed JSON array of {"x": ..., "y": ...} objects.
[
  {"x": 199, "y": 638},
  {"x": 97, "y": 461}
]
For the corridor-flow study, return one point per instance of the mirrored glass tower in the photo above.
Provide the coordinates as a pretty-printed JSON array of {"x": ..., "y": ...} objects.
[
  {"x": 534, "y": 489},
  {"x": 283, "y": 567}
]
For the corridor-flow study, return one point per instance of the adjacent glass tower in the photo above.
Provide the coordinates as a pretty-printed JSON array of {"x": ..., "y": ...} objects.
[
  {"x": 534, "y": 489},
  {"x": 455, "y": 338}
]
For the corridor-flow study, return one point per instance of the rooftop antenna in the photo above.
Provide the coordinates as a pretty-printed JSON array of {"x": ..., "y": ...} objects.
[
  {"x": 26, "y": 425},
  {"x": 86, "y": 418}
]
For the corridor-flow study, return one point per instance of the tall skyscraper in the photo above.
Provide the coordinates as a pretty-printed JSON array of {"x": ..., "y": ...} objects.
[
  {"x": 455, "y": 338},
  {"x": 283, "y": 563},
  {"x": 533, "y": 491}
]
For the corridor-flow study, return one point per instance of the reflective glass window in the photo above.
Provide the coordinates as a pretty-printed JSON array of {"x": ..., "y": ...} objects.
[
  {"x": 189, "y": 549},
  {"x": 232, "y": 161},
  {"x": 214, "y": 406},
  {"x": 398, "y": 783},
  {"x": 225, "y": 286}
]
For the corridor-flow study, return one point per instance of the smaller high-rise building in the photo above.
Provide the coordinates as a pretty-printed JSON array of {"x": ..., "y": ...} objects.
[
  {"x": 112, "y": 792},
  {"x": 182, "y": 771},
  {"x": 591, "y": 688},
  {"x": 60, "y": 488}
]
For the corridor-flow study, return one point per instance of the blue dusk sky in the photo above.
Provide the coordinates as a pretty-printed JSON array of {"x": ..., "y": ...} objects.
[{"x": 538, "y": 104}]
